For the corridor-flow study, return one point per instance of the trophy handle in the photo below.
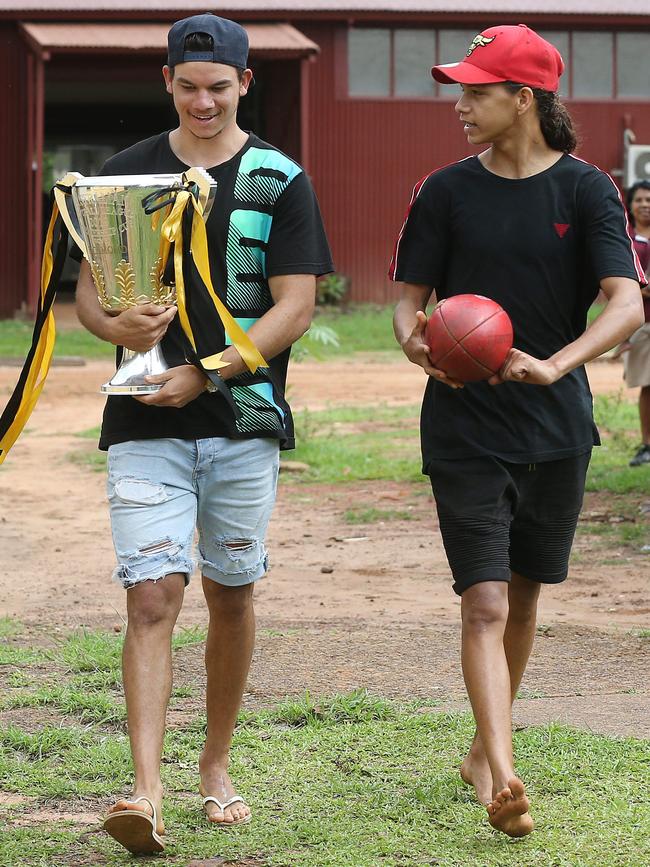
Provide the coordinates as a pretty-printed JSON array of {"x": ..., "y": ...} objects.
[{"x": 61, "y": 198}]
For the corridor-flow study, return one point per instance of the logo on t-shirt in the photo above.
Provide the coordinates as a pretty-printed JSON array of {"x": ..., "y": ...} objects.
[
  {"x": 480, "y": 41},
  {"x": 561, "y": 229}
]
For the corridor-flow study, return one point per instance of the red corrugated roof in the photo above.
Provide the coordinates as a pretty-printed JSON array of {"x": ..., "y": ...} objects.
[
  {"x": 265, "y": 39},
  {"x": 514, "y": 7}
]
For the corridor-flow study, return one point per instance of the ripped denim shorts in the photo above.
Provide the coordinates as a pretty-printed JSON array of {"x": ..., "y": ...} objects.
[{"x": 162, "y": 490}]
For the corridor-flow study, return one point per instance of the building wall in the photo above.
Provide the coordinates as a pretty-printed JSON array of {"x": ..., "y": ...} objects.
[
  {"x": 366, "y": 156},
  {"x": 15, "y": 171}
]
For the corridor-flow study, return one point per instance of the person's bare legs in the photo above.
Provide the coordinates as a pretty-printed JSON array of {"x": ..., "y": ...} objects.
[
  {"x": 518, "y": 638},
  {"x": 228, "y": 654},
  {"x": 644, "y": 413},
  {"x": 152, "y": 608},
  {"x": 484, "y": 610}
]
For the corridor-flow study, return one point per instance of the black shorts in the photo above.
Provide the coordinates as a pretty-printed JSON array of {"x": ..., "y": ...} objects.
[{"x": 497, "y": 517}]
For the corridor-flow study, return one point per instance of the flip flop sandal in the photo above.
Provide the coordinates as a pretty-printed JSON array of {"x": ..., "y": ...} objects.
[
  {"x": 135, "y": 830},
  {"x": 236, "y": 799}
]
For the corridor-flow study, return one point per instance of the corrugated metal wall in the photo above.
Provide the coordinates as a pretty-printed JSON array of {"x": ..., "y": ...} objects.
[
  {"x": 14, "y": 174},
  {"x": 600, "y": 127},
  {"x": 366, "y": 156}
]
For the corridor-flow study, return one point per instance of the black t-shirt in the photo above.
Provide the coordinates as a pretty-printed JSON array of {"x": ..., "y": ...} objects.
[
  {"x": 539, "y": 246},
  {"x": 265, "y": 222}
]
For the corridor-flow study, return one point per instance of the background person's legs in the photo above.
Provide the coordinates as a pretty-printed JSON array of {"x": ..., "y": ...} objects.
[
  {"x": 644, "y": 413},
  {"x": 643, "y": 454},
  {"x": 637, "y": 374}
]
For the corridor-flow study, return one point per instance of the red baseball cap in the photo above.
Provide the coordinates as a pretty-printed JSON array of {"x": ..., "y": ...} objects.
[{"x": 506, "y": 53}]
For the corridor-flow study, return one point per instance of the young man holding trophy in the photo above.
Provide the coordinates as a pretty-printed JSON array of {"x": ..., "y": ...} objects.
[{"x": 193, "y": 455}]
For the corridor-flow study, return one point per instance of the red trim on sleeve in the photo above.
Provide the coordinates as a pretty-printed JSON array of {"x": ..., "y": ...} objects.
[{"x": 416, "y": 191}]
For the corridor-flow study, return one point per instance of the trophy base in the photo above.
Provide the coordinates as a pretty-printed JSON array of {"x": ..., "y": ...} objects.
[{"x": 130, "y": 376}]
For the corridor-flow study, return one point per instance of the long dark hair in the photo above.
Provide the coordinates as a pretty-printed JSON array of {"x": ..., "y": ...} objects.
[
  {"x": 631, "y": 193},
  {"x": 554, "y": 118}
]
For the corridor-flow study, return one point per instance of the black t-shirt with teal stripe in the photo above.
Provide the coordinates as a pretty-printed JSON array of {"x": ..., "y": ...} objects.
[
  {"x": 539, "y": 246},
  {"x": 265, "y": 222}
]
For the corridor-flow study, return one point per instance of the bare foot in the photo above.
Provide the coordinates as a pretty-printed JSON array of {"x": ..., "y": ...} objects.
[
  {"x": 216, "y": 783},
  {"x": 142, "y": 807},
  {"x": 475, "y": 771},
  {"x": 508, "y": 810}
]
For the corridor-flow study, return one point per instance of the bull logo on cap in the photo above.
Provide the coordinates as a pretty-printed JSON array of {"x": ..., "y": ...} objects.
[{"x": 480, "y": 41}]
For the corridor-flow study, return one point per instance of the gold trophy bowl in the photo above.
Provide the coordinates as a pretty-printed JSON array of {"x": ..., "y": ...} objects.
[{"x": 122, "y": 240}]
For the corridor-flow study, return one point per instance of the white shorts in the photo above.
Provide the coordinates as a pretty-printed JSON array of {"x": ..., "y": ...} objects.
[{"x": 636, "y": 360}]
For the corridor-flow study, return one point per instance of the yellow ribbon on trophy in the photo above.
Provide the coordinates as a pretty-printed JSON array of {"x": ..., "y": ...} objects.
[
  {"x": 37, "y": 364},
  {"x": 172, "y": 231}
]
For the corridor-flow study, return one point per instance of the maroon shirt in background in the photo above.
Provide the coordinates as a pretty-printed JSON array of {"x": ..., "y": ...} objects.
[{"x": 642, "y": 247}]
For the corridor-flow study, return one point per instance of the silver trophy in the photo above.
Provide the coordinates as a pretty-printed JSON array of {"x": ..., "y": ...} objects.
[{"x": 122, "y": 239}]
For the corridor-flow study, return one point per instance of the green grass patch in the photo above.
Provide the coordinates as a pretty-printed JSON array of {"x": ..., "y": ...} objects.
[
  {"x": 87, "y": 651},
  {"x": 91, "y": 663},
  {"x": 334, "y": 781},
  {"x": 383, "y": 455},
  {"x": 618, "y": 420},
  {"x": 609, "y": 470},
  {"x": 353, "y": 443},
  {"x": 336, "y": 450},
  {"x": 9, "y": 627},
  {"x": 88, "y": 704},
  {"x": 16, "y": 338},
  {"x": 594, "y": 312},
  {"x": 347, "y": 780},
  {"x": 18, "y": 655},
  {"x": 354, "y": 707},
  {"x": 359, "y": 328},
  {"x": 369, "y": 328},
  {"x": 370, "y": 515},
  {"x": 631, "y": 533}
]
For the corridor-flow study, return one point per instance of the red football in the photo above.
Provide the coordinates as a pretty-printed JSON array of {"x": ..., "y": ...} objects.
[{"x": 469, "y": 337}]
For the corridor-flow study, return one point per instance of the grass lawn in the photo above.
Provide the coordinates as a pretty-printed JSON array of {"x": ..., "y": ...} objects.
[
  {"x": 364, "y": 328},
  {"x": 356, "y": 443},
  {"x": 16, "y": 338},
  {"x": 359, "y": 328},
  {"x": 343, "y": 781}
]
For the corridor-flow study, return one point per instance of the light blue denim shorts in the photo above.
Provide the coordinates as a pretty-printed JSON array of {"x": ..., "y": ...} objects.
[{"x": 162, "y": 490}]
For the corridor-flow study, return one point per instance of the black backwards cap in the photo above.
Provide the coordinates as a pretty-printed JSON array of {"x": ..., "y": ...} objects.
[{"x": 229, "y": 41}]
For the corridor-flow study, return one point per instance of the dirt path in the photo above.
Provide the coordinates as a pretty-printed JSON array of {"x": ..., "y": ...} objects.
[{"x": 344, "y": 606}]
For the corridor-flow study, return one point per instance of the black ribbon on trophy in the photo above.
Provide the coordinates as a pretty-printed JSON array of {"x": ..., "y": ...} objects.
[
  {"x": 128, "y": 227},
  {"x": 37, "y": 364}
]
